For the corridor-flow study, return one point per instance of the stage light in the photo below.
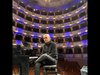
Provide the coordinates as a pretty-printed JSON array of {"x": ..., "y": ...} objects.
[
  {"x": 63, "y": 46},
  {"x": 16, "y": 31},
  {"x": 21, "y": 2},
  {"x": 33, "y": 15},
  {"x": 72, "y": 45},
  {"x": 32, "y": 24},
  {"x": 77, "y": 11},
  {"x": 18, "y": 7},
  {"x": 47, "y": 18},
  {"x": 40, "y": 17},
  {"x": 79, "y": 33},
  {"x": 62, "y": 17},
  {"x": 32, "y": 35},
  {"x": 24, "y": 33},
  {"x": 35, "y": 44},
  {"x": 71, "y": 34},
  {"x": 69, "y": 14},
  {"x": 53, "y": 18},
  {"x": 39, "y": 46},
  {"x": 26, "y": 12},
  {"x": 47, "y": 27},
  {"x": 62, "y": 26},
  {"x": 54, "y": 27},
  {"x": 78, "y": 21},
  {"x": 80, "y": 44},
  {"x": 84, "y": 7},
  {"x": 70, "y": 24},
  {"x": 25, "y": 22},
  {"x": 17, "y": 19},
  {"x": 85, "y": 18},
  {"x": 14, "y": 44},
  {"x": 63, "y": 35},
  {"x": 34, "y": 9},
  {"x": 81, "y": 1},
  {"x": 40, "y": 36},
  {"x": 86, "y": 30},
  {"x": 54, "y": 36},
  {"x": 40, "y": 26}
]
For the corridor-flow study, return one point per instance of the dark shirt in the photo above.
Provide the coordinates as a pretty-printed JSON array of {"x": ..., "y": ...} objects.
[{"x": 51, "y": 49}]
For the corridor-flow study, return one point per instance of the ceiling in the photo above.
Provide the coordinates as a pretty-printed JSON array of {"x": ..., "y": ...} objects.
[{"x": 50, "y": 5}]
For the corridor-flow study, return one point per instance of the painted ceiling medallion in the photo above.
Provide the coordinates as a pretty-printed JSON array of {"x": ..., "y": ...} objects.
[{"x": 53, "y": 3}]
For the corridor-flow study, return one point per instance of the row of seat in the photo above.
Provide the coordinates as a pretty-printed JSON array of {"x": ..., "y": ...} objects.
[
  {"x": 51, "y": 21},
  {"x": 30, "y": 16},
  {"x": 57, "y": 39},
  {"x": 50, "y": 29},
  {"x": 42, "y": 12}
]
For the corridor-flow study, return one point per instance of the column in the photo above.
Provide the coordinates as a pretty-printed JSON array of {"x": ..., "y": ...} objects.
[
  {"x": 46, "y": 30},
  {"x": 14, "y": 36},
  {"x": 15, "y": 24},
  {"x": 65, "y": 54},
  {"x": 63, "y": 30},
  {"x": 73, "y": 52},
  {"x": 71, "y": 28},
  {"x": 31, "y": 39},
  {"x": 82, "y": 51}
]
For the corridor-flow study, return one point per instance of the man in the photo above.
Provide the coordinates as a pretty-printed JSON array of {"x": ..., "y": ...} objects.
[
  {"x": 21, "y": 60},
  {"x": 48, "y": 56}
]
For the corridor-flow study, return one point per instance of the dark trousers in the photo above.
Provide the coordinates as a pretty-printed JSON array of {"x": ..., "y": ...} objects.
[
  {"x": 23, "y": 62},
  {"x": 43, "y": 60}
]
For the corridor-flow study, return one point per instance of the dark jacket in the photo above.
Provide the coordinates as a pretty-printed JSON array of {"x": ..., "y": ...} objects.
[
  {"x": 17, "y": 50},
  {"x": 50, "y": 50}
]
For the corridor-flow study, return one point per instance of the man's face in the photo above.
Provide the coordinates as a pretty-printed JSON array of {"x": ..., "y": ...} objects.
[{"x": 46, "y": 38}]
